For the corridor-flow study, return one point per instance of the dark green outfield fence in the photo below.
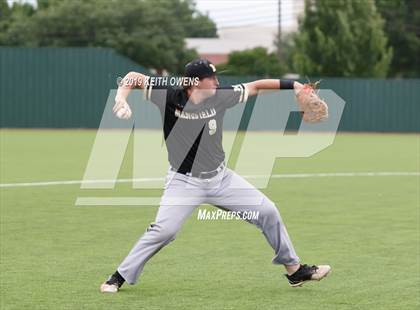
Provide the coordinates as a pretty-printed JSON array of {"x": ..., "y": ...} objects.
[
  {"x": 68, "y": 88},
  {"x": 58, "y": 87}
]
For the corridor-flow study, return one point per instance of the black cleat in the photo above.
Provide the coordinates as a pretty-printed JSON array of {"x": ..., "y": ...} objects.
[
  {"x": 113, "y": 284},
  {"x": 308, "y": 273}
]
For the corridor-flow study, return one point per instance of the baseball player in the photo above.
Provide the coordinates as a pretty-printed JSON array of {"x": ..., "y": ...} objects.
[{"x": 192, "y": 121}]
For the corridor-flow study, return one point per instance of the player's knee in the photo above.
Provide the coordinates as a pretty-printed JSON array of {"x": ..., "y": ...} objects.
[
  {"x": 269, "y": 215},
  {"x": 166, "y": 233}
]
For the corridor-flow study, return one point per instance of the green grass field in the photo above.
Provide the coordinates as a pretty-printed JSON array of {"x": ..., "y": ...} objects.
[{"x": 54, "y": 255}]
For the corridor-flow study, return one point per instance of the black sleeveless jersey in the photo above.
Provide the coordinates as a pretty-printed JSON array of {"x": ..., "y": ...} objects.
[{"x": 193, "y": 132}]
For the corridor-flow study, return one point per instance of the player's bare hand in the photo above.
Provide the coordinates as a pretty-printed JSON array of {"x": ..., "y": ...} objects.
[{"x": 121, "y": 108}]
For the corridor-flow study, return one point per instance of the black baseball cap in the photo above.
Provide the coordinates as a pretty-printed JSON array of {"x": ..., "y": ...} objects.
[{"x": 201, "y": 68}]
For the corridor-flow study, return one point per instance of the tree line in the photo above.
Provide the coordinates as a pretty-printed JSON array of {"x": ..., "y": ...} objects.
[
  {"x": 149, "y": 32},
  {"x": 343, "y": 38},
  {"x": 357, "y": 38}
]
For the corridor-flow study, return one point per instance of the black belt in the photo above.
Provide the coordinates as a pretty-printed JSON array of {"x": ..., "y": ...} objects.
[{"x": 203, "y": 174}]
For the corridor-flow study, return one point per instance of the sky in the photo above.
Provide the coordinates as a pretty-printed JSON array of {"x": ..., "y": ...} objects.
[{"x": 247, "y": 12}]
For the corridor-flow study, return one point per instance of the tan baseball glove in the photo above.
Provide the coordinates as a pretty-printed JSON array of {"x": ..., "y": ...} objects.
[{"x": 314, "y": 109}]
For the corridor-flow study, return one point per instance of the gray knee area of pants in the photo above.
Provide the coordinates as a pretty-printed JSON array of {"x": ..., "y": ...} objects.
[
  {"x": 162, "y": 233},
  {"x": 268, "y": 215}
]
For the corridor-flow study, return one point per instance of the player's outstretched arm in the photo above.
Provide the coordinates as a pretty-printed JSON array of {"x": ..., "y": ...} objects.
[
  {"x": 132, "y": 80},
  {"x": 271, "y": 84},
  {"x": 314, "y": 109}
]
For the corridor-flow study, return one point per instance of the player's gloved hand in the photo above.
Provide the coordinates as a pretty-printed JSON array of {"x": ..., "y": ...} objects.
[
  {"x": 314, "y": 109},
  {"x": 121, "y": 108}
]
